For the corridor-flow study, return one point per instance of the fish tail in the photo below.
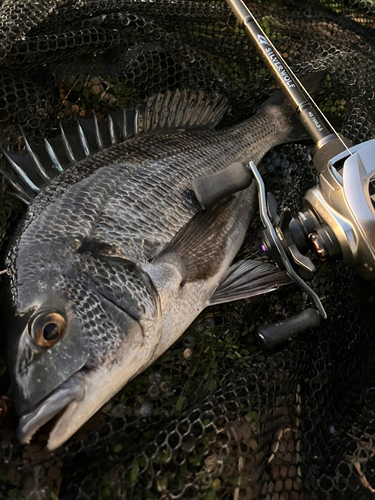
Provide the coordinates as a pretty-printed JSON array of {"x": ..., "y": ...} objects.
[{"x": 280, "y": 108}]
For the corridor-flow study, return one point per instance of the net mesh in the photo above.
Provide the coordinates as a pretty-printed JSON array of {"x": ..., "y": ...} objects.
[{"x": 215, "y": 417}]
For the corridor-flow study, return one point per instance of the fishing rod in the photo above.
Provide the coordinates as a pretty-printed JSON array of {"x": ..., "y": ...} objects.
[{"x": 338, "y": 217}]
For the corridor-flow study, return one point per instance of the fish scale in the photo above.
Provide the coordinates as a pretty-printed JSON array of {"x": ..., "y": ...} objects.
[
  {"x": 164, "y": 182},
  {"x": 119, "y": 250},
  {"x": 189, "y": 156}
]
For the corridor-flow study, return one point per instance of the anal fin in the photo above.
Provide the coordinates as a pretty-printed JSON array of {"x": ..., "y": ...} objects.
[{"x": 248, "y": 278}]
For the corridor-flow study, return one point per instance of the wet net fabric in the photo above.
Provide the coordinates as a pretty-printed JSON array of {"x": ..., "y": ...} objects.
[{"x": 215, "y": 417}]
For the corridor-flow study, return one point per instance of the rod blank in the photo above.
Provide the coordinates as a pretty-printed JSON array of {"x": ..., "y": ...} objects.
[{"x": 310, "y": 116}]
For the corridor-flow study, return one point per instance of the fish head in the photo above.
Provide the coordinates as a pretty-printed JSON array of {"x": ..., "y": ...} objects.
[{"x": 80, "y": 332}]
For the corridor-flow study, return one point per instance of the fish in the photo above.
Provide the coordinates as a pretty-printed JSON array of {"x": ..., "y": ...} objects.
[{"x": 115, "y": 257}]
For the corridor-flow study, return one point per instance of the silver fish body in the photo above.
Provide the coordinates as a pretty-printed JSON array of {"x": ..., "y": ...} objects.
[{"x": 115, "y": 258}]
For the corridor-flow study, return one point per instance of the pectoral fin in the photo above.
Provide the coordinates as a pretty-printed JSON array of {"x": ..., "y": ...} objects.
[
  {"x": 198, "y": 249},
  {"x": 248, "y": 278}
]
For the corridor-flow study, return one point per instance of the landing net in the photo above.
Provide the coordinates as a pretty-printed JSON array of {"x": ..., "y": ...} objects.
[{"x": 215, "y": 417}]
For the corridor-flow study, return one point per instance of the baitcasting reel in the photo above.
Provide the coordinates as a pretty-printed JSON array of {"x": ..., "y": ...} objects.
[
  {"x": 338, "y": 221},
  {"x": 338, "y": 217}
]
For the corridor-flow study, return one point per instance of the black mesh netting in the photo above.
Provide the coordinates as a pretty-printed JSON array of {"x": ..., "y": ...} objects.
[{"x": 214, "y": 417}]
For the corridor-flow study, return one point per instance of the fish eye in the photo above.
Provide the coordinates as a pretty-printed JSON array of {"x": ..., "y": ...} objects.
[{"x": 47, "y": 328}]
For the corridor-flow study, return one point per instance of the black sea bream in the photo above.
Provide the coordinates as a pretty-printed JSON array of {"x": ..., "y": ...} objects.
[{"x": 115, "y": 257}]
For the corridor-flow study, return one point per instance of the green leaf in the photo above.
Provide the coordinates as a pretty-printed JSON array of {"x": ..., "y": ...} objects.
[
  {"x": 216, "y": 484},
  {"x": 210, "y": 495},
  {"x": 134, "y": 473},
  {"x": 211, "y": 385},
  {"x": 196, "y": 459},
  {"x": 78, "y": 87},
  {"x": 254, "y": 416},
  {"x": 180, "y": 403}
]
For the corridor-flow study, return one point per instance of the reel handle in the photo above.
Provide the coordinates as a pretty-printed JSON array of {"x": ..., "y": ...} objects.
[
  {"x": 212, "y": 188},
  {"x": 273, "y": 334}
]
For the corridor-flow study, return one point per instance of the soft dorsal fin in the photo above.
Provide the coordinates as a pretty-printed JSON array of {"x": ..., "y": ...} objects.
[{"x": 84, "y": 137}]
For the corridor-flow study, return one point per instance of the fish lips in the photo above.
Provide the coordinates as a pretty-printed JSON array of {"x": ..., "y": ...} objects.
[{"x": 73, "y": 389}]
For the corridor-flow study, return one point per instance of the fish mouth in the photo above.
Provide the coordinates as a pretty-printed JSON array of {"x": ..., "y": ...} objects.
[
  {"x": 77, "y": 400},
  {"x": 71, "y": 390}
]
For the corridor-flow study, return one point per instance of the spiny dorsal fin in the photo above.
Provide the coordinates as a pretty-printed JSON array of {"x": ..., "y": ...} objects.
[{"x": 85, "y": 137}]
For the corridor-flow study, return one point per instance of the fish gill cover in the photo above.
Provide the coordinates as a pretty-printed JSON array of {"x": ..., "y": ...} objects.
[{"x": 214, "y": 417}]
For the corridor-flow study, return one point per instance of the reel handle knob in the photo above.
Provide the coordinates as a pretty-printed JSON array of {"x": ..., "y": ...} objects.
[
  {"x": 273, "y": 334},
  {"x": 215, "y": 187}
]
